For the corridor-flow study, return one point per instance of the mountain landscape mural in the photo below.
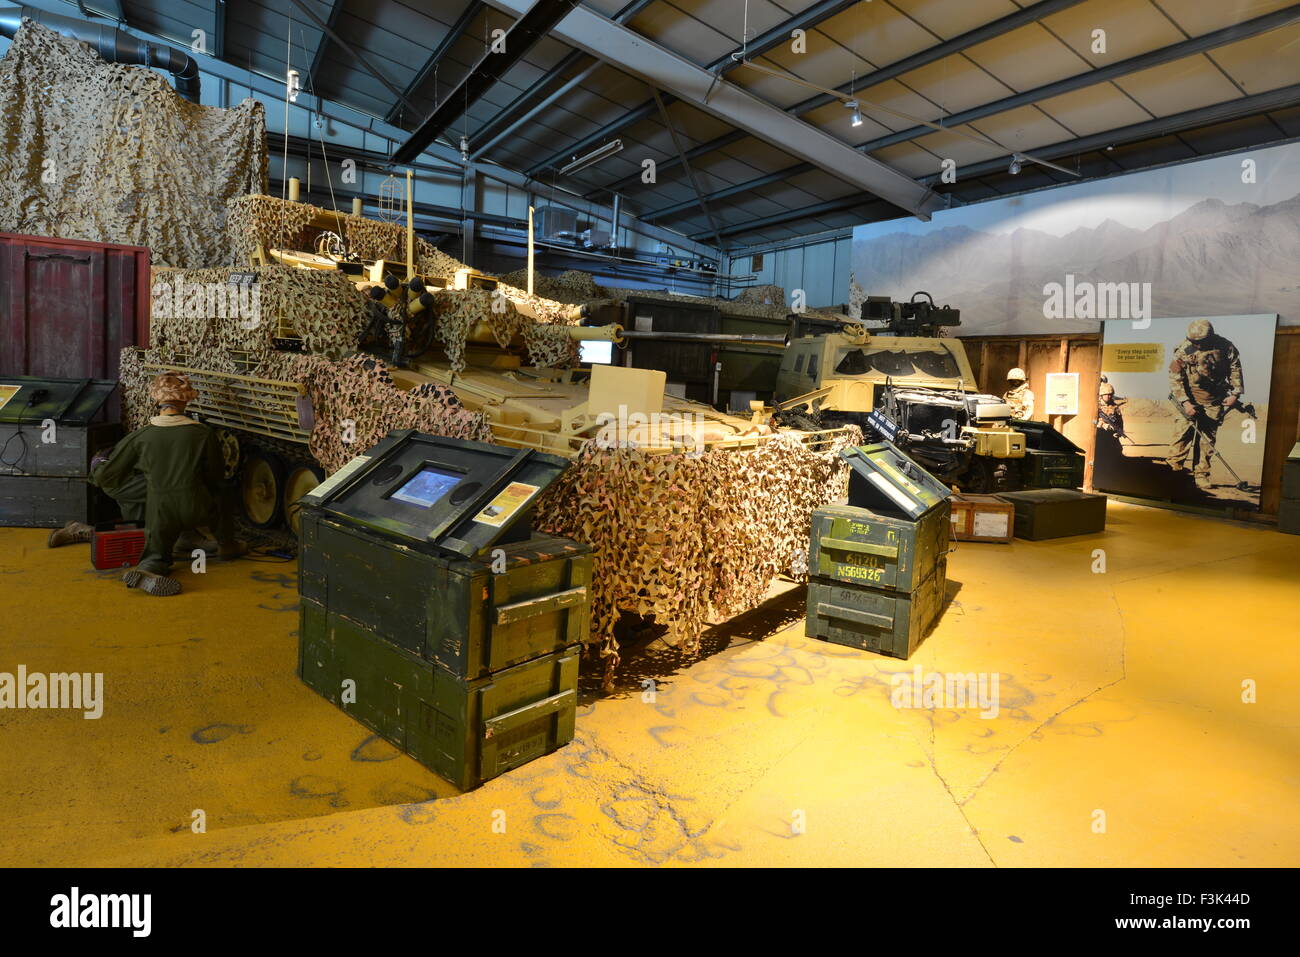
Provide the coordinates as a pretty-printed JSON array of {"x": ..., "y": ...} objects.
[{"x": 1213, "y": 258}]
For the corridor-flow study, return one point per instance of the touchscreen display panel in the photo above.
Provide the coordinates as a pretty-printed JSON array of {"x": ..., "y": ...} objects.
[{"x": 427, "y": 486}]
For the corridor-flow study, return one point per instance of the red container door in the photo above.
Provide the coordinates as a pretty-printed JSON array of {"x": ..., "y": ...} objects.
[{"x": 68, "y": 308}]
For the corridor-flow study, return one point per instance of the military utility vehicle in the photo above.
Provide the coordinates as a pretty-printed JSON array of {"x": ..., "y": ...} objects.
[{"x": 905, "y": 384}]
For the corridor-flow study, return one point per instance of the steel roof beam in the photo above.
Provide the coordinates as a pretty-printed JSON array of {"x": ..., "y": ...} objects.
[
  {"x": 318, "y": 58},
  {"x": 1164, "y": 55},
  {"x": 502, "y": 124},
  {"x": 532, "y": 22},
  {"x": 1143, "y": 61},
  {"x": 449, "y": 40},
  {"x": 691, "y": 83},
  {"x": 1148, "y": 129},
  {"x": 921, "y": 58},
  {"x": 724, "y": 64},
  {"x": 1239, "y": 108},
  {"x": 343, "y": 45}
]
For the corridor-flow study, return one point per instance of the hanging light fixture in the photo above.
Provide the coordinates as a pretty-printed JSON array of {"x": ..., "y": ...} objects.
[{"x": 857, "y": 113}]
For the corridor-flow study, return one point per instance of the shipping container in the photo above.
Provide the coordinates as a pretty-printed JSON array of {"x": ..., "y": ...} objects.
[{"x": 68, "y": 307}]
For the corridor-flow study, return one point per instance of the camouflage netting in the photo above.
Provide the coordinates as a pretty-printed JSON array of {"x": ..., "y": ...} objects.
[
  {"x": 357, "y": 389},
  {"x": 323, "y": 307},
  {"x": 571, "y": 286},
  {"x": 688, "y": 537},
  {"x": 549, "y": 346},
  {"x": 274, "y": 223},
  {"x": 110, "y": 153}
]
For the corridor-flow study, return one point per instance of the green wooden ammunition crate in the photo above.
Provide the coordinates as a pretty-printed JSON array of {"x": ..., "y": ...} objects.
[
  {"x": 1056, "y": 512},
  {"x": 862, "y": 547},
  {"x": 1039, "y": 469},
  {"x": 463, "y": 614},
  {"x": 467, "y": 732},
  {"x": 875, "y": 619}
]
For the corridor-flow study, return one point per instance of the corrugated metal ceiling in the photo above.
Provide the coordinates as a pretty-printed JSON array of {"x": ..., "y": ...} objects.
[{"x": 385, "y": 55}]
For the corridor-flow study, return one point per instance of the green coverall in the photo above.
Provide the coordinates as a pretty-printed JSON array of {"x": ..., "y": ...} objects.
[{"x": 169, "y": 476}]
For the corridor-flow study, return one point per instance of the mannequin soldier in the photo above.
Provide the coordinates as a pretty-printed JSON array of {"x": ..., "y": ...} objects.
[
  {"x": 1205, "y": 382},
  {"x": 1019, "y": 396},
  {"x": 168, "y": 475}
]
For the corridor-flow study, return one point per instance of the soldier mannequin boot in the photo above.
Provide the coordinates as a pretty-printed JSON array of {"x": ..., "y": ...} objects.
[
  {"x": 160, "y": 586},
  {"x": 74, "y": 533}
]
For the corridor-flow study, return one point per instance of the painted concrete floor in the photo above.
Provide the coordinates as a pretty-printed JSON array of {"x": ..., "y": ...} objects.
[{"x": 1121, "y": 739}]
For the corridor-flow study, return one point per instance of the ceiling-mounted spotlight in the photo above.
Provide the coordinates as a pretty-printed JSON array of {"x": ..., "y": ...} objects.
[
  {"x": 857, "y": 113},
  {"x": 595, "y": 156},
  {"x": 1014, "y": 168}
]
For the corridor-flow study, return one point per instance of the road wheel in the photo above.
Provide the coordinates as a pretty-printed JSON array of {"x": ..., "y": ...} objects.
[
  {"x": 229, "y": 452},
  {"x": 302, "y": 479},
  {"x": 261, "y": 487}
]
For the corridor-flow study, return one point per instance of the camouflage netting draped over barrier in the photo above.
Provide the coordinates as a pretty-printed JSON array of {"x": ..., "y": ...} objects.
[
  {"x": 685, "y": 537},
  {"x": 110, "y": 153},
  {"x": 199, "y": 312},
  {"x": 357, "y": 390}
]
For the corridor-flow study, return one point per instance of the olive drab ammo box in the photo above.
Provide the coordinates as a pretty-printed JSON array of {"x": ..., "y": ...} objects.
[
  {"x": 877, "y": 567},
  {"x": 1056, "y": 512},
  {"x": 420, "y": 579},
  {"x": 50, "y": 428}
]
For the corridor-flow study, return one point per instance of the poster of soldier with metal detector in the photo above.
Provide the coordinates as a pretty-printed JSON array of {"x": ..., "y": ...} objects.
[{"x": 1182, "y": 406}]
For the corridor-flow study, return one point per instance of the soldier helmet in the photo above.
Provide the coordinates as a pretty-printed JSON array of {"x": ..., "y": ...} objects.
[
  {"x": 1106, "y": 388},
  {"x": 171, "y": 388},
  {"x": 1198, "y": 329},
  {"x": 1015, "y": 374}
]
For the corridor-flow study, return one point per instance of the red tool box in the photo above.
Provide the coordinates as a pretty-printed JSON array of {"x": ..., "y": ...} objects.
[{"x": 117, "y": 544}]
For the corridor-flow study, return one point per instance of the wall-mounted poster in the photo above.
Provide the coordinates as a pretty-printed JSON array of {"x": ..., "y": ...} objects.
[
  {"x": 1182, "y": 407},
  {"x": 1062, "y": 394}
]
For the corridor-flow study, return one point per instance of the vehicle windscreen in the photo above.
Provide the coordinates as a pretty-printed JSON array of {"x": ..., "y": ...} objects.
[{"x": 936, "y": 365}]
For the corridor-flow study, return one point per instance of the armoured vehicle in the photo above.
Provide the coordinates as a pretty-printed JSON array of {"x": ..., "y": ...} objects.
[{"x": 906, "y": 385}]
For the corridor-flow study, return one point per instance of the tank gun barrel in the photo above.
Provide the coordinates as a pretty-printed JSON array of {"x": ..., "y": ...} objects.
[{"x": 738, "y": 338}]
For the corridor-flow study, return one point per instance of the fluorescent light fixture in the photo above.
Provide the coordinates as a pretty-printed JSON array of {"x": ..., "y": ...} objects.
[{"x": 595, "y": 156}]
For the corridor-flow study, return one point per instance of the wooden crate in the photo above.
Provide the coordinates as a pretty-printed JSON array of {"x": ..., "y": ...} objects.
[
  {"x": 457, "y": 613},
  {"x": 467, "y": 732},
  {"x": 858, "y": 546},
  {"x": 982, "y": 518},
  {"x": 1056, "y": 512},
  {"x": 875, "y": 619}
]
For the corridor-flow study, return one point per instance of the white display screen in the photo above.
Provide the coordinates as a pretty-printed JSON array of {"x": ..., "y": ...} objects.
[
  {"x": 601, "y": 353},
  {"x": 427, "y": 486}
]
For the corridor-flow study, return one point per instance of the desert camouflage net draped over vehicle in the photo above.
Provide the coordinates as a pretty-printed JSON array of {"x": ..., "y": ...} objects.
[
  {"x": 458, "y": 311},
  {"x": 110, "y": 153},
  {"x": 198, "y": 311},
  {"x": 685, "y": 537},
  {"x": 272, "y": 223},
  {"x": 352, "y": 399}
]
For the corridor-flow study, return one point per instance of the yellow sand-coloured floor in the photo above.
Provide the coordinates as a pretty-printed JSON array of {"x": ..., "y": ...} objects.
[{"x": 1121, "y": 739}]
